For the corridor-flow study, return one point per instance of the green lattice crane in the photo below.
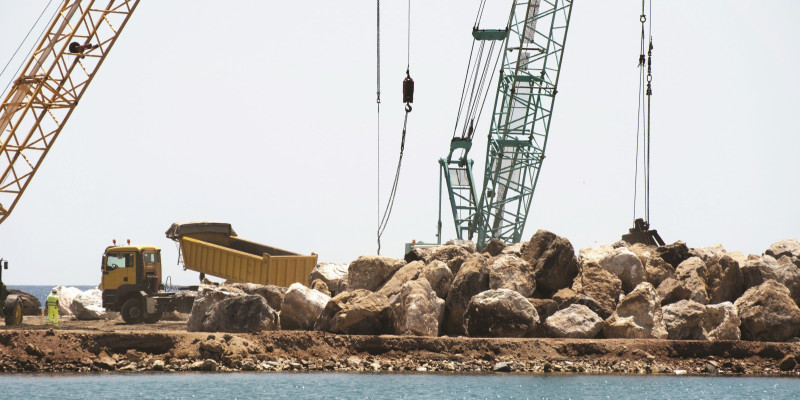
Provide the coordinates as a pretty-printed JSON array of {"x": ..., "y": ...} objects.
[{"x": 532, "y": 49}]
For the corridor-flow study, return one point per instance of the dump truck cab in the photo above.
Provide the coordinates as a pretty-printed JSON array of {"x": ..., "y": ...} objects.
[{"x": 130, "y": 273}]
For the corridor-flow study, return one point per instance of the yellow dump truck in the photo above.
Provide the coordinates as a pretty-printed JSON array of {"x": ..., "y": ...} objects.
[{"x": 214, "y": 249}]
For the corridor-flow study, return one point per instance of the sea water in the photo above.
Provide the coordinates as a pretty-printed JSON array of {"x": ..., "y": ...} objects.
[
  {"x": 41, "y": 291},
  {"x": 390, "y": 386}
]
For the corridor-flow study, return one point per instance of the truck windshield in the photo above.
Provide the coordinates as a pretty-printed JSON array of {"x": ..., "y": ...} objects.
[{"x": 119, "y": 260}]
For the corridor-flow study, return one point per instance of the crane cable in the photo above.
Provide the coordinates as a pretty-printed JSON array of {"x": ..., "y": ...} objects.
[
  {"x": 378, "y": 101},
  {"x": 408, "y": 98},
  {"x": 23, "y": 42},
  {"x": 643, "y": 116},
  {"x": 475, "y": 87}
]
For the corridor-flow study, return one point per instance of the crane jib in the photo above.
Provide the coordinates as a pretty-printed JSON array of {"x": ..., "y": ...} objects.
[{"x": 533, "y": 45}]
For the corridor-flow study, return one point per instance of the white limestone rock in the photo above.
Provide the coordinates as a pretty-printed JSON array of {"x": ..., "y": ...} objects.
[
  {"x": 417, "y": 310},
  {"x": 638, "y": 315},
  {"x": 576, "y": 321},
  {"x": 302, "y": 307}
]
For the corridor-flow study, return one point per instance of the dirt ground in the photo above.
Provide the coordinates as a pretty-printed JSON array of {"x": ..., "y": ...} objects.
[{"x": 111, "y": 345}]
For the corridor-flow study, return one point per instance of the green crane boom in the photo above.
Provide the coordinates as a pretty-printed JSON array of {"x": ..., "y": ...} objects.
[{"x": 531, "y": 61}]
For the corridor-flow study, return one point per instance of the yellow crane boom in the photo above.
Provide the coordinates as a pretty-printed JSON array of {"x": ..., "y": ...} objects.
[{"x": 50, "y": 85}]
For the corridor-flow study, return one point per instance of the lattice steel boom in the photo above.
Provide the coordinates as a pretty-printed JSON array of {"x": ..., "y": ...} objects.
[
  {"x": 526, "y": 90},
  {"x": 49, "y": 87}
]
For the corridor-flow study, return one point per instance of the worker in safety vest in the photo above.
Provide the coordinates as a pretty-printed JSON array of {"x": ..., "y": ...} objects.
[{"x": 52, "y": 308}]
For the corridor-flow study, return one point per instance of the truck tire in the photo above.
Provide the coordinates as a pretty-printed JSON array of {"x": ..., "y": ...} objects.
[
  {"x": 132, "y": 311},
  {"x": 12, "y": 310},
  {"x": 152, "y": 318}
]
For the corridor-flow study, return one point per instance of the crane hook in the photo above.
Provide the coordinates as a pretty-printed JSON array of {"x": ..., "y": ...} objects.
[{"x": 408, "y": 91}]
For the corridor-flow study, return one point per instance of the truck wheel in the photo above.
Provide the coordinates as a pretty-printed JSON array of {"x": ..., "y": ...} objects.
[
  {"x": 132, "y": 311},
  {"x": 152, "y": 318},
  {"x": 13, "y": 311}
]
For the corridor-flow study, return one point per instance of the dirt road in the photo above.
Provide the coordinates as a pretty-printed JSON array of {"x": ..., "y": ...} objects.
[{"x": 111, "y": 345}]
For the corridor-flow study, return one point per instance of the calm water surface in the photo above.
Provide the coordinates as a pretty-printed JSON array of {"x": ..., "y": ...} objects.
[{"x": 390, "y": 386}]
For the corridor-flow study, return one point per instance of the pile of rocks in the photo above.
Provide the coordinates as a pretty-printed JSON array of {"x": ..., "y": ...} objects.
[{"x": 540, "y": 288}]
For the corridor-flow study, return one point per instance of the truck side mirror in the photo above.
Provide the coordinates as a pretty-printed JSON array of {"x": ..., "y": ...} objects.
[{"x": 5, "y": 264}]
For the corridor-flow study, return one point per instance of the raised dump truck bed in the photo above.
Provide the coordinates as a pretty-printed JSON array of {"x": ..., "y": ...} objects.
[{"x": 214, "y": 249}]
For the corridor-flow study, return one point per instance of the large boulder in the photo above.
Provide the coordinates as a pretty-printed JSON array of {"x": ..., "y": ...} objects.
[
  {"x": 567, "y": 297},
  {"x": 247, "y": 313},
  {"x": 371, "y": 272},
  {"x": 621, "y": 262},
  {"x": 544, "y": 307},
  {"x": 30, "y": 304},
  {"x": 575, "y": 321},
  {"x": 417, "y": 310},
  {"x": 65, "y": 297},
  {"x": 672, "y": 290},
  {"x": 302, "y": 307},
  {"x": 408, "y": 272},
  {"x": 689, "y": 320},
  {"x": 725, "y": 282},
  {"x": 494, "y": 247},
  {"x": 674, "y": 254},
  {"x": 787, "y": 273},
  {"x": 419, "y": 253},
  {"x": 500, "y": 313},
  {"x": 707, "y": 253},
  {"x": 638, "y": 316},
  {"x": 271, "y": 293},
  {"x": 786, "y": 247},
  {"x": 467, "y": 245},
  {"x": 357, "y": 312},
  {"x": 452, "y": 255},
  {"x": 722, "y": 322},
  {"x": 513, "y": 249},
  {"x": 643, "y": 251},
  {"x": 657, "y": 270},
  {"x": 333, "y": 275},
  {"x": 88, "y": 305},
  {"x": 511, "y": 272},
  {"x": 207, "y": 296},
  {"x": 553, "y": 260},
  {"x": 684, "y": 320},
  {"x": 439, "y": 275},
  {"x": 320, "y": 286},
  {"x": 758, "y": 270},
  {"x": 602, "y": 286},
  {"x": 692, "y": 274},
  {"x": 471, "y": 279},
  {"x": 768, "y": 313}
]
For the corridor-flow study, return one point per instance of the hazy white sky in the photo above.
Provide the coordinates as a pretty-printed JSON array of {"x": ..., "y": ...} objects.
[{"x": 262, "y": 114}]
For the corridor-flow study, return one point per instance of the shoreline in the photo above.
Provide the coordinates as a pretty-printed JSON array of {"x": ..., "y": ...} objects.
[{"x": 111, "y": 346}]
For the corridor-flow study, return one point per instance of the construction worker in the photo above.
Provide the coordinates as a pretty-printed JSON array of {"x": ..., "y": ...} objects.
[{"x": 52, "y": 308}]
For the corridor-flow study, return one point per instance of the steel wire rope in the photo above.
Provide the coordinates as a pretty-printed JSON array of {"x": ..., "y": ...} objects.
[
  {"x": 464, "y": 88},
  {"x": 474, "y": 75},
  {"x": 393, "y": 193},
  {"x": 491, "y": 78},
  {"x": 476, "y": 25},
  {"x": 639, "y": 112},
  {"x": 649, "y": 95},
  {"x": 481, "y": 98},
  {"x": 23, "y": 42},
  {"x": 378, "y": 101},
  {"x": 479, "y": 87}
]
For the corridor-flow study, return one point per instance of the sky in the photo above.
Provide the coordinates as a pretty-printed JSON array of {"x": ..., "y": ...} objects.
[{"x": 263, "y": 115}]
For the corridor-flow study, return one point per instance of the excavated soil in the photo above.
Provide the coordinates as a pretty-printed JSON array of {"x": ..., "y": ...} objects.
[{"x": 111, "y": 345}]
